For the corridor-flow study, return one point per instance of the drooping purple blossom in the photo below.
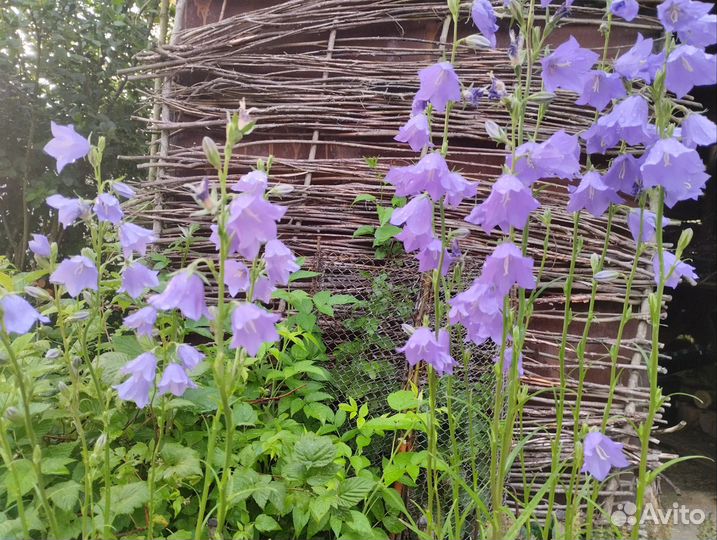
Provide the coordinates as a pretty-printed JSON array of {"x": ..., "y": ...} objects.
[
  {"x": 593, "y": 195},
  {"x": 174, "y": 381},
  {"x": 678, "y": 169},
  {"x": 429, "y": 258},
  {"x": 76, "y": 274},
  {"x": 123, "y": 190},
  {"x": 639, "y": 62},
  {"x": 236, "y": 276},
  {"x": 623, "y": 174},
  {"x": 423, "y": 345},
  {"x": 600, "y": 454},
  {"x": 676, "y": 15},
  {"x": 688, "y": 66},
  {"x": 675, "y": 270},
  {"x": 628, "y": 121},
  {"x": 134, "y": 238},
  {"x": 456, "y": 188},
  {"x": 142, "y": 321},
  {"x": 506, "y": 267},
  {"x": 108, "y": 209},
  {"x": 416, "y": 132},
  {"x": 418, "y": 218},
  {"x": 418, "y": 106},
  {"x": 40, "y": 245},
  {"x": 137, "y": 387},
  {"x": 252, "y": 220},
  {"x": 214, "y": 239},
  {"x": 280, "y": 262},
  {"x": 508, "y": 361},
  {"x": 68, "y": 210},
  {"x": 568, "y": 66},
  {"x": 263, "y": 289},
  {"x": 484, "y": 18},
  {"x": 600, "y": 89},
  {"x": 185, "y": 291},
  {"x": 701, "y": 33},
  {"x": 66, "y": 146},
  {"x": 625, "y": 9},
  {"x": 698, "y": 130},
  {"x": 253, "y": 183},
  {"x": 253, "y": 326},
  {"x": 556, "y": 157},
  {"x": 509, "y": 204},
  {"x": 136, "y": 278},
  {"x": 413, "y": 242},
  {"x": 480, "y": 310},
  {"x": 649, "y": 225},
  {"x": 18, "y": 315},
  {"x": 439, "y": 85},
  {"x": 543, "y": 3},
  {"x": 189, "y": 356}
]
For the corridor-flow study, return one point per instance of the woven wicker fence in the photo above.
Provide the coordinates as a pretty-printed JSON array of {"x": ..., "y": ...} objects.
[{"x": 330, "y": 82}]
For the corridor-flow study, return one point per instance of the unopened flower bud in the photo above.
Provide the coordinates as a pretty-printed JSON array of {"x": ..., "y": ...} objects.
[
  {"x": 37, "y": 455},
  {"x": 606, "y": 276},
  {"x": 101, "y": 442},
  {"x": 685, "y": 239},
  {"x": 37, "y": 292},
  {"x": 63, "y": 388},
  {"x": 211, "y": 152},
  {"x": 51, "y": 354},
  {"x": 494, "y": 131},
  {"x": 542, "y": 98},
  {"x": 408, "y": 329},
  {"x": 14, "y": 415},
  {"x": 477, "y": 41},
  {"x": 76, "y": 363},
  {"x": 281, "y": 189},
  {"x": 78, "y": 316}
]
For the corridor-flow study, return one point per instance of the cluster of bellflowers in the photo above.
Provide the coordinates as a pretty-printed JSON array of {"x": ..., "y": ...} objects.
[{"x": 621, "y": 93}]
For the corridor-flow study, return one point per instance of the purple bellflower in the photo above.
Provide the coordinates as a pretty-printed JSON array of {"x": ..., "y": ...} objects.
[
  {"x": 68, "y": 210},
  {"x": 508, "y": 361},
  {"x": 430, "y": 257},
  {"x": 678, "y": 169},
  {"x": 701, "y": 33},
  {"x": 675, "y": 270},
  {"x": 698, "y": 130},
  {"x": 252, "y": 220},
  {"x": 236, "y": 276},
  {"x": 253, "y": 326},
  {"x": 136, "y": 278},
  {"x": 189, "y": 356},
  {"x": 416, "y": 132},
  {"x": 509, "y": 204},
  {"x": 625, "y": 9},
  {"x": 628, "y": 121},
  {"x": 676, "y": 15},
  {"x": 142, "y": 321},
  {"x": 601, "y": 454},
  {"x": 123, "y": 190},
  {"x": 688, "y": 66},
  {"x": 593, "y": 195},
  {"x": 480, "y": 310},
  {"x": 484, "y": 18},
  {"x": 418, "y": 218},
  {"x": 639, "y": 62},
  {"x": 108, "y": 209},
  {"x": 253, "y": 183},
  {"x": 18, "y": 316},
  {"x": 556, "y": 157},
  {"x": 439, "y": 85},
  {"x": 40, "y": 245},
  {"x": 76, "y": 274},
  {"x": 418, "y": 106},
  {"x": 649, "y": 225},
  {"x": 134, "y": 238},
  {"x": 423, "y": 345},
  {"x": 263, "y": 289},
  {"x": 568, "y": 66},
  {"x": 142, "y": 371},
  {"x": 506, "y": 267},
  {"x": 280, "y": 262},
  {"x": 600, "y": 89},
  {"x": 185, "y": 291},
  {"x": 174, "y": 381},
  {"x": 623, "y": 174},
  {"x": 66, "y": 146}
]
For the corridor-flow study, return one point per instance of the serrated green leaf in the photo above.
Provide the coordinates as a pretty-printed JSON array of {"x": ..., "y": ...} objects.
[
  {"x": 385, "y": 233},
  {"x": 402, "y": 400},
  {"x": 364, "y": 230},
  {"x": 264, "y": 523},
  {"x": 126, "y": 498},
  {"x": 353, "y": 490},
  {"x": 245, "y": 415},
  {"x": 65, "y": 495},
  {"x": 364, "y": 197},
  {"x": 180, "y": 462}
]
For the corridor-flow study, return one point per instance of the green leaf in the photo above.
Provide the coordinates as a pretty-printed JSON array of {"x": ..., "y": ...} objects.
[
  {"x": 384, "y": 214},
  {"x": 402, "y": 400},
  {"x": 385, "y": 233},
  {"x": 55, "y": 465},
  {"x": 126, "y": 498},
  {"x": 180, "y": 462},
  {"x": 364, "y": 197},
  {"x": 320, "y": 506},
  {"x": 65, "y": 495},
  {"x": 109, "y": 365},
  {"x": 26, "y": 477},
  {"x": 245, "y": 415},
  {"x": 353, "y": 490},
  {"x": 264, "y": 523},
  {"x": 303, "y": 274},
  {"x": 323, "y": 413},
  {"x": 313, "y": 451},
  {"x": 364, "y": 230}
]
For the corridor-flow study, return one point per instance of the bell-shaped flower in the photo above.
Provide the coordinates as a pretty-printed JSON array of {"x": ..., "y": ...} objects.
[
  {"x": 123, "y": 190},
  {"x": 429, "y": 257},
  {"x": 189, "y": 356},
  {"x": 134, "y": 238},
  {"x": 40, "y": 245},
  {"x": 508, "y": 361},
  {"x": 66, "y": 146},
  {"x": 18, "y": 316},
  {"x": 414, "y": 242},
  {"x": 600, "y": 454},
  {"x": 253, "y": 183},
  {"x": 623, "y": 174},
  {"x": 76, "y": 274},
  {"x": 417, "y": 216},
  {"x": 142, "y": 371},
  {"x": 252, "y": 220},
  {"x": 698, "y": 130},
  {"x": 649, "y": 225},
  {"x": 108, "y": 209},
  {"x": 280, "y": 262},
  {"x": 185, "y": 291},
  {"x": 136, "y": 278},
  {"x": 174, "y": 381},
  {"x": 625, "y": 9},
  {"x": 675, "y": 270},
  {"x": 702, "y": 33},
  {"x": 236, "y": 276},
  {"x": 678, "y": 169},
  {"x": 688, "y": 66},
  {"x": 639, "y": 62},
  {"x": 568, "y": 67},
  {"x": 628, "y": 121},
  {"x": 252, "y": 327},
  {"x": 676, "y": 15},
  {"x": 423, "y": 345},
  {"x": 416, "y": 132},
  {"x": 484, "y": 18},
  {"x": 507, "y": 266},
  {"x": 556, "y": 157},
  {"x": 142, "y": 321},
  {"x": 593, "y": 195},
  {"x": 68, "y": 210},
  {"x": 439, "y": 85},
  {"x": 600, "y": 89},
  {"x": 480, "y": 310},
  {"x": 509, "y": 204}
]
